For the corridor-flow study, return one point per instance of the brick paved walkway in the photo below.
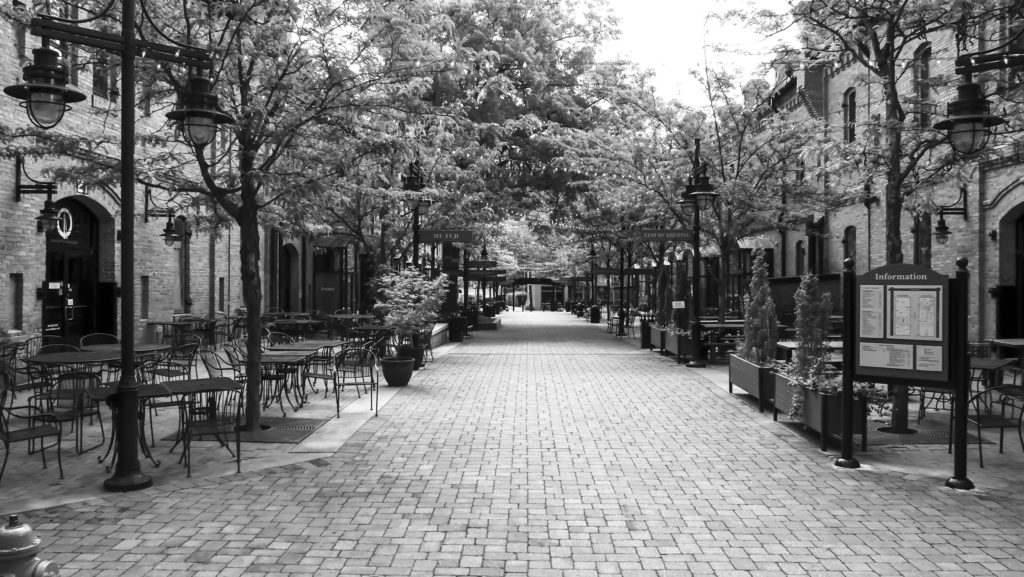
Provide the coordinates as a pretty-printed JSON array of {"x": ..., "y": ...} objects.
[{"x": 550, "y": 448}]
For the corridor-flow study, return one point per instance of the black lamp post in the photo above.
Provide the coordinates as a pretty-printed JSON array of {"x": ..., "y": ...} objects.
[
  {"x": 483, "y": 277},
  {"x": 46, "y": 99},
  {"x": 593, "y": 277},
  {"x": 414, "y": 182},
  {"x": 700, "y": 195}
]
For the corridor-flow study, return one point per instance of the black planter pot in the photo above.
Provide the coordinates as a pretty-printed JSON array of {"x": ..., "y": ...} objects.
[
  {"x": 397, "y": 371},
  {"x": 416, "y": 353},
  {"x": 456, "y": 328}
]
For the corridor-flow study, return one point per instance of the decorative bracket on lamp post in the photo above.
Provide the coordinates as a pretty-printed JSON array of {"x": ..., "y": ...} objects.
[
  {"x": 958, "y": 207},
  {"x": 47, "y": 219}
]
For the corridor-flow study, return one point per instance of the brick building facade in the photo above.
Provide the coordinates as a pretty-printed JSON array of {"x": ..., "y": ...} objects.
[
  {"x": 67, "y": 282},
  {"x": 990, "y": 235}
]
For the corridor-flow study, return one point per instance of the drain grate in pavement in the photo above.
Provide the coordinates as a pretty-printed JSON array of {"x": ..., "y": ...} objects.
[
  {"x": 282, "y": 430},
  {"x": 923, "y": 436},
  {"x": 278, "y": 430}
]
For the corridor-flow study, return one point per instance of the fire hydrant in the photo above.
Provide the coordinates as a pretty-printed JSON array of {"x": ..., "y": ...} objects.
[{"x": 18, "y": 548}]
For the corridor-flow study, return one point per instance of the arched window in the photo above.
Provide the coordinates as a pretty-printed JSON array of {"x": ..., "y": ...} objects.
[
  {"x": 801, "y": 258},
  {"x": 850, "y": 115},
  {"x": 922, "y": 85},
  {"x": 850, "y": 243}
]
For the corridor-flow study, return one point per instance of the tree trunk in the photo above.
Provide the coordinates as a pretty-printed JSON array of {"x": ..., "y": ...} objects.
[
  {"x": 893, "y": 182},
  {"x": 900, "y": 419},
  {"x": 252, "y": 296}
]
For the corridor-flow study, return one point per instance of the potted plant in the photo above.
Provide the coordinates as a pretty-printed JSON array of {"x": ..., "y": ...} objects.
[
  {"x": 807, "y": 387},
  {"x": 750, "y": 367},
  {"x": 409, "y": 303}
]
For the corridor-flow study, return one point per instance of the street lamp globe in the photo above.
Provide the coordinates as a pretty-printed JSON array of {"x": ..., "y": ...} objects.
[
  {"x": 969, "y": 120},
  {"x": 196, "y": 112},
  {"x": 45, "y": 94}
]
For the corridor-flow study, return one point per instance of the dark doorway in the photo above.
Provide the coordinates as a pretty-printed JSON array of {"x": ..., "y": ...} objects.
[
  {"x": 289, "y": 284},
  {"x": 71, "y": 293},
  {"x": 328, "y": 278}
]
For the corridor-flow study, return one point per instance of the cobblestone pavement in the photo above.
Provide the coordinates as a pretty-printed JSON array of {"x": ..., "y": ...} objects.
[{"x": 550, "y": 448}]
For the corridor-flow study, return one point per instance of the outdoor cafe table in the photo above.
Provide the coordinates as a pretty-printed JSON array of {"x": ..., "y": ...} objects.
[
  {"x": 172, "y": 330},
  {"x": 989, "y": 369},
  {"x": 785, "y": 350},
  {"x": 295, "y": 326},
  {"x": 180, "y": 388},
  {"x": 313, "y": 345},
  {"x": 351, "y": 317},
  {"x": 290, "y": 364},
  {"x": 75, "y": 358},
  {"x": 1001, "y": 344},
  {"x": 139, "y": 348}
]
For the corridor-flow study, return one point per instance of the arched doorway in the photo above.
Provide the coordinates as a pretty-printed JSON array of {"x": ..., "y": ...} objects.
[
  {"x": 289, "y": 279},
  {"x": 1009, "y": 311},
  {"x": 75, "y": 301}
]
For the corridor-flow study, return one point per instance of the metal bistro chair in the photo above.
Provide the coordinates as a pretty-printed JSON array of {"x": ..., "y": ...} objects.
[
  {"x": 219, "y": 366},
  {"x": 26, "y": 424},
  {"x": 981, "y": 415},
  {"x": 319, "y": 367},
  {"x": 9, "y": 362},
  {"x": 179, "y": 364},
  {"x": 69, "y": 402},
  {"x": 217, "y": 414},
  {"x": 98, "y": 339},
  {"x": 357, "y": 367}
]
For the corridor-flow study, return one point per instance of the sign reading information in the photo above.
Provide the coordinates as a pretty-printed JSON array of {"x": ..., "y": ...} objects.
[{"x": 901, "y": 326}]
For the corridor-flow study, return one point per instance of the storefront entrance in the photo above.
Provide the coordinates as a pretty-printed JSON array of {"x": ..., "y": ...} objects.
[{"x": 75, "y": 303}]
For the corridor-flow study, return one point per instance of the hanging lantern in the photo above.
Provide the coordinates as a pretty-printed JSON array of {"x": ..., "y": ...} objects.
[
  {"x": 197, "y": 113},
  {"x": 968, "y": 122},
  {"x": 45, "y": 94}
]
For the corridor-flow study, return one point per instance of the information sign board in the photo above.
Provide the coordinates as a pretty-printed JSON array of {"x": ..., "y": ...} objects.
[
  {"x": 902, "y": 330},
  {"x": 482, "y": 263}
]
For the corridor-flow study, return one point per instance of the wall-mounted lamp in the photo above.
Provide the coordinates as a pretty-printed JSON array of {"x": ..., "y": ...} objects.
[
  {"x": 47, "y": 219},
  {"x": 151, "y": 210},
  {"x": 958, "y": 207},
  {"x": 993, "y": 234},
  {"x": 170, "y": 234}
]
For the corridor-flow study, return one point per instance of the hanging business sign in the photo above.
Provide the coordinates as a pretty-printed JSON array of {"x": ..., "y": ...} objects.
[
  {"x": 65, "y": 223},
  {"x": 902, "y": 329},
  {"x": 658, "y": 234},
  {"x": 464, "y": 236}
]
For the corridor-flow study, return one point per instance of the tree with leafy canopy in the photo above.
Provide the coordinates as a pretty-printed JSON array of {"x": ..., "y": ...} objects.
[
  {"x": 640, "y": 149},
  {"x": 483, "y": 127},
  {"x": 883, "y": 39},
  {"x": 302, "y": 81}
]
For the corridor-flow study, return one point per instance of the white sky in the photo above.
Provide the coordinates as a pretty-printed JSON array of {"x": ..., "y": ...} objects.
[{"x": 669, "y": 36}]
